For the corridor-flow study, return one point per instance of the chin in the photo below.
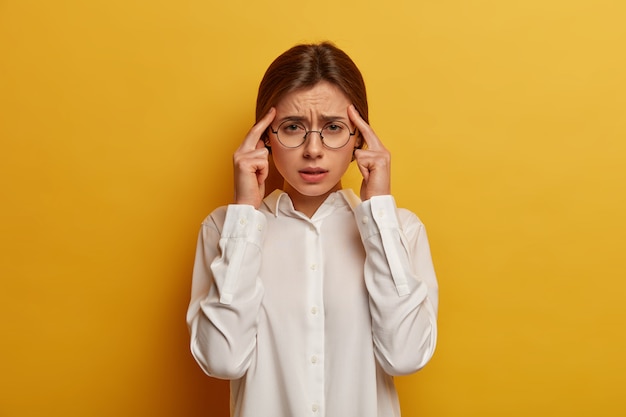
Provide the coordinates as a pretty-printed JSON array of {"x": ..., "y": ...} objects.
[{"x": 315, "y": 190}]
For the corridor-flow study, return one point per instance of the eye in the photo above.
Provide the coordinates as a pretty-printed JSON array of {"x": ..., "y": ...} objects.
[
  {"x": 292, "y": 129},
  {"x": 334, "y": 128}
]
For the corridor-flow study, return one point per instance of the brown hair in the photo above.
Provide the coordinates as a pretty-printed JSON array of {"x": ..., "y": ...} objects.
[{"x": 304, "y": 66}]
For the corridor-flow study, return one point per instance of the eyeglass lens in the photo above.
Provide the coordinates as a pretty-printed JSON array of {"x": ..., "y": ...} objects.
[{"x": 333, "y": 135}]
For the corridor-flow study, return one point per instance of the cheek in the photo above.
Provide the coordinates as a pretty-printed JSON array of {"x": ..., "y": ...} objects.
[
  {"x": 280, "y": 158},
  {"x": 350, "y": 148},
  {"x": 346, "y": 158}
]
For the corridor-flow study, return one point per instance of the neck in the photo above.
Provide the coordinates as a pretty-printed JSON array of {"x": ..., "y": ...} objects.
[{"x": 307, "y": 204}]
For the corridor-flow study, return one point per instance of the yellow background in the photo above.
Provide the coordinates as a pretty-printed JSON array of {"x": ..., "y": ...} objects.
[{"x": 507, "y": 125}]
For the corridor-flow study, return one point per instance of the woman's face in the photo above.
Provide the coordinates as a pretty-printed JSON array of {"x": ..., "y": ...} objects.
[{"x": 312, "y": 169}]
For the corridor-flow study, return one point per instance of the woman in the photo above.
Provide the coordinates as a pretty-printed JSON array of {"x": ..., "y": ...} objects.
[{"x": 310, "y": 300}]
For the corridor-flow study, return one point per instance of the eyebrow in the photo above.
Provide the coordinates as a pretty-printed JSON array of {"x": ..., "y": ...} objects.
[{"x": 323, "y": 118}]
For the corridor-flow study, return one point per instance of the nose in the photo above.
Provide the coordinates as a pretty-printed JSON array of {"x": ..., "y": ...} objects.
[{"x": 313, "y": 144}]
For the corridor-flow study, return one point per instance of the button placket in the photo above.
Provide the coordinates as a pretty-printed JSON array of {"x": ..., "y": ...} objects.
[{"x": 315, "y": 345}]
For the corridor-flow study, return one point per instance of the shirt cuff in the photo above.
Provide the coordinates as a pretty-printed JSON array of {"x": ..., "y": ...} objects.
[
  {"x": 376, "y": 214},
  {"x": 244, "y": 222}
]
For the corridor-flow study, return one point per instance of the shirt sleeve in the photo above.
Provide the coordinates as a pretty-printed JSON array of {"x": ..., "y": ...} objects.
[
  {"x": 226, "y": 291},
  {"x": 402, "y": 285}
]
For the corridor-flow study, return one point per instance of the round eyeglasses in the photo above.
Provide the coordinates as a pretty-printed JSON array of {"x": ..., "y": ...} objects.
[{"x": 292, "y": 134}]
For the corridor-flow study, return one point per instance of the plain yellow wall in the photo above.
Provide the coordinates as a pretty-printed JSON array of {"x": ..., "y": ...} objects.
[{"x": 507, "y": 125}]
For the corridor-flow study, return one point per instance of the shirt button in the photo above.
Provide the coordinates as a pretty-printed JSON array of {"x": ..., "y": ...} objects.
[
  {"x": 313, "y": 267},
  {"x": 314, "y": 310},
  {"x": 243, "y": 221},
  {"x": 315, "y": 408},
  {"x": 313, "y": 359},
  {"x": 259, "y": 227},
  {"x": 364, "y": 220}
]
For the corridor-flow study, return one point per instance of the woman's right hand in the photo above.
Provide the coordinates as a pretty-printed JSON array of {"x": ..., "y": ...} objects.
[{"x": 251, "y": 164}]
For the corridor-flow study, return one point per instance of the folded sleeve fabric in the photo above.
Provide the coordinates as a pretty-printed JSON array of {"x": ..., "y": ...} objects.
[
  {"x": 401, "y": 282},
  {"x": 227, "y": 290}
]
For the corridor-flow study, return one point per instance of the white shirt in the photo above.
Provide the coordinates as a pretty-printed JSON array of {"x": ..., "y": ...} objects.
[{"x": 313, "y": 317}]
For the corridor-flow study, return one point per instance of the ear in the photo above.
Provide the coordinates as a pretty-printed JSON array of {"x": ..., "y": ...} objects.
[
  {"x": 266, "y": 140},
  {"x": 358, "y": 144}
]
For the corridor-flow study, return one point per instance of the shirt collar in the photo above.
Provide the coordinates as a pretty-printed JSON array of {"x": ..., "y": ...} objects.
[{"x": 278, "y": 202}]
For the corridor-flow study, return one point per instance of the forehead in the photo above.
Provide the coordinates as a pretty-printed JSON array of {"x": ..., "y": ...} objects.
[{"x": 322, "y": 98}]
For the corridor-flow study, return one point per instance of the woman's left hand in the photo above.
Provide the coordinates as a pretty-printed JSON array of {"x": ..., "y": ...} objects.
[{"x": 374, "y": 162}]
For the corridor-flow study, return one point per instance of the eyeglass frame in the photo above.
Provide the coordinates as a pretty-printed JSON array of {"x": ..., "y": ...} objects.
[{"x": 306, "y": 133}]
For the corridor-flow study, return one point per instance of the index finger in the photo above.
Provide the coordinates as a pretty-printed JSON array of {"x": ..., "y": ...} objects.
[
  {"x": 256, "y": 132},
  {"x": 371, "y": 140}
]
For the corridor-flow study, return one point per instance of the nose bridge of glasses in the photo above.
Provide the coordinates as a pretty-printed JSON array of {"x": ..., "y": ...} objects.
[{"x": 306, "y": 133}]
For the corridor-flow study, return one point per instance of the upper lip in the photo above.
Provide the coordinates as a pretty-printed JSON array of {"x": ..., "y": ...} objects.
[{"x": 313, "y": 170}]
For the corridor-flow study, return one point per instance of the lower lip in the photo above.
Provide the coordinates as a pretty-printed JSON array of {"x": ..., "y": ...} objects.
[{"x": 313, "y": 177}]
